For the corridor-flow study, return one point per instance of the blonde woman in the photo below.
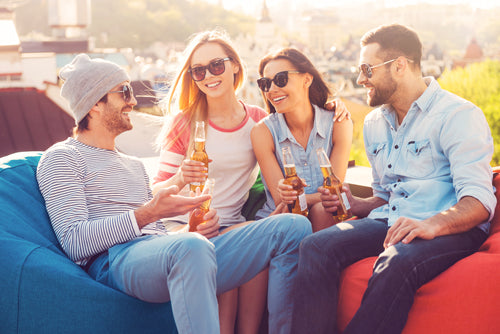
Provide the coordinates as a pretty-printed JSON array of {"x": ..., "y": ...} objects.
[{"x": 205, "y": 90}]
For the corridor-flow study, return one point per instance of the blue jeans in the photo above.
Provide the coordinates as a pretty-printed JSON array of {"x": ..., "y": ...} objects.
[
  {"x": 190, "y": 270},
  {"x": 397, "y": 274}
]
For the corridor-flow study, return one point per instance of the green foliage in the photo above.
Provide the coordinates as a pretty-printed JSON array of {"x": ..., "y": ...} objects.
[
  {"x": 358, "y": 153},
  {"x": 480, "y": 84}
]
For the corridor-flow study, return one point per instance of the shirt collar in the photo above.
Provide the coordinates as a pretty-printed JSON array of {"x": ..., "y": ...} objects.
[
  {"x": 423, "y": 102},
  {"x": 320, "y": 126}
]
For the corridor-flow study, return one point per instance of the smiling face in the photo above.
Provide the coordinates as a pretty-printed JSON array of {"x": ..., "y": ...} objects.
[
  {"x": 381, "y": 86},
  {"x": 214, "y": 85},
  {"x": 115, "y": 112},
  {"x": 293, "y": 94}
]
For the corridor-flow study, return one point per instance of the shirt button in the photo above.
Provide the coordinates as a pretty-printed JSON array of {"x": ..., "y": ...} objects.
[
  {"x": 399, "y": 180},
  {"x": 393, "y": 208},
  {"x": 389, "y": 166},
  {"x": 396, "y": 147}
]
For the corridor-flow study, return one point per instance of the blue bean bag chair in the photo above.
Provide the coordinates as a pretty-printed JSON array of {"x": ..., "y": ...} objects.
[{"x": 42, "y": 290}]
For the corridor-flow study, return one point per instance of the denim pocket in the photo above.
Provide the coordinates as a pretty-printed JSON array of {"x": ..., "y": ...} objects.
[
  {"x": 419, "y": 158},
  {"x": 377, "y": 154}
]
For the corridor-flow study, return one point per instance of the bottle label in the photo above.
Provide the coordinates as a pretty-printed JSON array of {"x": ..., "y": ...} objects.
[
  {"x": 345, "y": 200},
  {"x": 303, "y": 202}
]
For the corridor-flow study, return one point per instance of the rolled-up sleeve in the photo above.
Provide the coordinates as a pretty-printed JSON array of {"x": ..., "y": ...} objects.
[{"x": 468, "y": 144}]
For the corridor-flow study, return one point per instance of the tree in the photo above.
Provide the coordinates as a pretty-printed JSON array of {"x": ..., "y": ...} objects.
[{"x": 480, "y": 84}]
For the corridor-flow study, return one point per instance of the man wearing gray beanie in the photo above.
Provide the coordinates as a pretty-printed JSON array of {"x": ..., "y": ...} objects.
[{"x": 99, "y": 201}]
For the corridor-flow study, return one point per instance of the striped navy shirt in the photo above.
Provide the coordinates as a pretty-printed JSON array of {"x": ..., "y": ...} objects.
[{"x": 91, "y": 194}]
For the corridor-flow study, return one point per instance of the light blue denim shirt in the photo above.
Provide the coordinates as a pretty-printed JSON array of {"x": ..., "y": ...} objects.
[
  {"x": 306, "y": 161},
  {"x": 440, "y": 153}
]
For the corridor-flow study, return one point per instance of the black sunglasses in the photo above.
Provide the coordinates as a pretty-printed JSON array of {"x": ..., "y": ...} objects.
[
  {"x": 127, "y": 92},
  {"x": 215, "y": 67},
  {"x": 280, "y": 80},
  {"x": 368, "y": 69}
]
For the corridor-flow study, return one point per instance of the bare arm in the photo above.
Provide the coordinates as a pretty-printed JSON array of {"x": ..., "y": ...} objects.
[
  {"x": 263, "y": 146},
  {"x": 341, "y": 147},
  {"x": 463, "y": 216}
]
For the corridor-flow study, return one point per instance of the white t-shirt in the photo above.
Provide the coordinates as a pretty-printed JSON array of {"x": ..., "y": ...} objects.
[{"x": 234, "y": 166}]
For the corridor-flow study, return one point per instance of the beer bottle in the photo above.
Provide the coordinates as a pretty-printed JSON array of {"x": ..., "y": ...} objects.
[
  {"x": 199, "y": 153},
  {"x": 291, "y": 178},
  {"x": 332, "y": 183},
  {"x": 196, "y": 217}
]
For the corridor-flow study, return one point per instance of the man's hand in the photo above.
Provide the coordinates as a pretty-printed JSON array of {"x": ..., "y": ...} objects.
[
  {"x": 210, "y": 227},
  {"x": 406, "y": 229},
  {"x": 330, "y": 201},
  {"x": 166, "y": 203},
  {"x": 287, "y": 194}
]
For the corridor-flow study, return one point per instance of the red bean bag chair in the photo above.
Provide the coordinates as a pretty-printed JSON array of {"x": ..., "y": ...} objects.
[{"x": 463, "y": 299}]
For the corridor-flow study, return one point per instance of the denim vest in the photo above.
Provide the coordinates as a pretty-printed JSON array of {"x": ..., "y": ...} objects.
[{"x": 306, "y": 162}]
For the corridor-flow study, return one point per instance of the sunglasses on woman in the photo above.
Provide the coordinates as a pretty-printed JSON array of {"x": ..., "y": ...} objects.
[
  {"x": 280, "y": 80},
  {"x": 215, "y": 67},
  {"x": 127, "y": 92}
]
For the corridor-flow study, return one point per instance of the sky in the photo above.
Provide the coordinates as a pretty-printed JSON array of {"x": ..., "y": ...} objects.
[{"x": 253, "y": 7}]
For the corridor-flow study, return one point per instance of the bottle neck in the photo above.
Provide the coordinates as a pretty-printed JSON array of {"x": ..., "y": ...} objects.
[
  {"x": 290, "y": 170},
  {"x": 199, "y": 145}
]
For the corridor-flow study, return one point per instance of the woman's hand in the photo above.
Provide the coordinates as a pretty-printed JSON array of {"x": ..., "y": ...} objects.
[
  {"x": 192, "y": 171},
  {"x": 286, "y": 192},
  {"x": 339, "y": 108},
  {"x": 280, "y": 208},
  {"x": 210, "y": 226}
]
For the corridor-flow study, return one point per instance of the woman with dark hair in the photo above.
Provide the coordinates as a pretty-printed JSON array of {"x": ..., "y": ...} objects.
[{"x": 294, "y": 92}]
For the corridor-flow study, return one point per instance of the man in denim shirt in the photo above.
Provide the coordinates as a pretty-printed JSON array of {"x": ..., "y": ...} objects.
[{"x": 432, "y": 199}]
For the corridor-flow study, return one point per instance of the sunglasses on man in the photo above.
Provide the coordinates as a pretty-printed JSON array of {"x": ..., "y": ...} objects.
[
  {"x": 215, "y": 67},
  {"x": 280, "y": 80},
  {"x": 367, "y": 70},
  {"x": 127, "y": 92}
]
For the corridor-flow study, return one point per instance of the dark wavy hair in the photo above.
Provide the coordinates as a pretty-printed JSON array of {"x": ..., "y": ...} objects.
[{"x": 318, "y": 91}]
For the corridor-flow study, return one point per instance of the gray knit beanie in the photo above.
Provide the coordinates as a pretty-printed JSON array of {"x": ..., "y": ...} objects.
[{"x": 87, "y": 80}]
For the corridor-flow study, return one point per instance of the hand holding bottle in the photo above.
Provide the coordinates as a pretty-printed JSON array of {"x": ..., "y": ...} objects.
[
  {"x": 287, "y": 193},
  {"x": 198, "y": 215},
  {"x": 331, "y": 201},
  {"x": 332, "y": 183},
  {"x": 299, "y": 205}
]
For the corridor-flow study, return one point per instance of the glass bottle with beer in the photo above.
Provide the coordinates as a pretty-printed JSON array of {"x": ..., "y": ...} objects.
[
  {"x": 199, "y": 153},
  {"x": 291, "y": 178},
  {"x": 333, "y": 184},
  {"x": 196, "y": 217}
]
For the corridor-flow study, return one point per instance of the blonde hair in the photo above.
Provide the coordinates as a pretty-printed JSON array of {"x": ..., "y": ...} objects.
[{"x": 191, "y": 101}]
